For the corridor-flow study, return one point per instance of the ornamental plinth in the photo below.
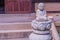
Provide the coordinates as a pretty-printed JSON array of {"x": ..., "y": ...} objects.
[{"x": 41, "y": 25}]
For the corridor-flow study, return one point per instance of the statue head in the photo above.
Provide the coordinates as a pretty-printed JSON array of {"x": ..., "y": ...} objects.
[{"x": 41, "y": 6}]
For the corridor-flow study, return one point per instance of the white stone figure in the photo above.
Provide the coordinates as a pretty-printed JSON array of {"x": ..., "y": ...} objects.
[
  {"x": 41, "y": 25},
  {"x": 41, "y": 12}
]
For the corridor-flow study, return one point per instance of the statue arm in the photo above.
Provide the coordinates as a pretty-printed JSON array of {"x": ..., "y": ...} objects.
[
  {"x": 37, "y": 13},
  {"x": 45, "y": 13}
]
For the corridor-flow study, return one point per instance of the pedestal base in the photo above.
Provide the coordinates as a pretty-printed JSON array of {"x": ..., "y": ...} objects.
[{"x": 34, "y": 36}]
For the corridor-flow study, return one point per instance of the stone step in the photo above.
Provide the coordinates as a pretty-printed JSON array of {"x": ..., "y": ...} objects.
[
  {"x": 15, "y": 30},
  {"x": 11, "y": 18},
  {"x": 15, "y": 34},
  {"x": 18, "y": 15},
  {"x": 16, "y": 39},
  {"x": 15, "y": 19},
  {"x": 11, "y": 34},
  {"x": 15, "y": 26}
]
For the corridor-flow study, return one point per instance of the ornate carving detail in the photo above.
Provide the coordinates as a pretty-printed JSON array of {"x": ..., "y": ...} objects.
[{"x": 42, "y": 26}]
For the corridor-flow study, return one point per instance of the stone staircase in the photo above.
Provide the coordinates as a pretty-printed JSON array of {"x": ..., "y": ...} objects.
[
  {"x": 13, "y": 26},
  {"x": 15, "y": 30}
]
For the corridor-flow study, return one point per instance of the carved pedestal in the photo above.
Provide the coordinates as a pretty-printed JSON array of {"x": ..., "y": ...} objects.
[{"x": 41, "y": 30}]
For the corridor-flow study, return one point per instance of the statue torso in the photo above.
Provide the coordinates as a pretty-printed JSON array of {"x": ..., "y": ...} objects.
[{"x": 41, "y": 13}]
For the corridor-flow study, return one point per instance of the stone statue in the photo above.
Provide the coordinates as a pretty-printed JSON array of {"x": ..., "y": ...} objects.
[
  {"x": 41, "y": 25},
  {"x": 41, "y": 12}
]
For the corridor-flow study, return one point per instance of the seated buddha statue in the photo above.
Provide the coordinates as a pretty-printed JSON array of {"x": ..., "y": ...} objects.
[{"x": 41, "y": 12}]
